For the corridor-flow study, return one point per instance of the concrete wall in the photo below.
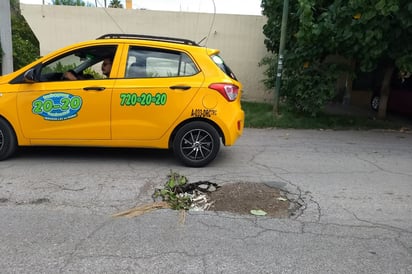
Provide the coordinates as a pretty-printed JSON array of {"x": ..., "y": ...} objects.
[{"x": 239, "y": 37}]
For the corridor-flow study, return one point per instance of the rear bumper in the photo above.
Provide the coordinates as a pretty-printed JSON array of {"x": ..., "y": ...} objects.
[{"x": 235, "y": 128}]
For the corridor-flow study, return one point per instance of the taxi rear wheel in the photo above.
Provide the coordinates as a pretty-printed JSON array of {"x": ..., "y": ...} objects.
[
  {"x": 196, "y": 144},
  {"x": 8, "y": 142}
]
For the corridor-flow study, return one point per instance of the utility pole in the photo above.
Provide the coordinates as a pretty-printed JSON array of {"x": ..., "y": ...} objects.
[
  {"x": 5, "y": 37},
  {"x": 280, "y": 57}
]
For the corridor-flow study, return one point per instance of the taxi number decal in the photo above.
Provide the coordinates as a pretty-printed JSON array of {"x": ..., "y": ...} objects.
[
  {"x": 203, "y": 112},
  {"x": 144, "y": 99},
  {"x": 57, "y": 106}
]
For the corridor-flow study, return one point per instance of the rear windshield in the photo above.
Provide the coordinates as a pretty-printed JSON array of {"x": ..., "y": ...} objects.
[{"x": 221, "y": 64}]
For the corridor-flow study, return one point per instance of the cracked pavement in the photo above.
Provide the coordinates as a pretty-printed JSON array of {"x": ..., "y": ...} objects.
[{"x": 355, "y": 188}]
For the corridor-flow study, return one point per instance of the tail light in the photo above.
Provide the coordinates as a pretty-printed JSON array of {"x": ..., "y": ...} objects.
[{"x": 229, "y": 91}]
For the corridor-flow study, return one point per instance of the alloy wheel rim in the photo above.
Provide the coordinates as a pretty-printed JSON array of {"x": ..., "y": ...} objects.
[
  {"x": 197, "y": 144},
  {"x": 375, "y": 103}
]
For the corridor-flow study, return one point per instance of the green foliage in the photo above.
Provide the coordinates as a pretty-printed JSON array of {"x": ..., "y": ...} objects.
[
  {"x": 25, "y": 43},
  {"x": 93, "y": 73},
  {"x": 171, "y": 192},
  {"x": 115, "y": 4},
  {"x": 271, "y": 65},
  {"x": 310, "y": 89},
  {"x": 259, "y": 115},
  {"x": 23, "y": 52},
  {"x": 366, "y": 33},
  {"x": 69, "y": 2},
  {"x": 59, "y": 67}
]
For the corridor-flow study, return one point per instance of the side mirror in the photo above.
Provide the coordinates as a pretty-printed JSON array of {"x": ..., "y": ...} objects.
[{"x": 29, "y": 76}]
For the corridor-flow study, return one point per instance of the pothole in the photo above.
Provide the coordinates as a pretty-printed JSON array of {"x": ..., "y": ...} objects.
[
  {"x": 246, "y": 198},
  {"x": 242, "y": 198}
]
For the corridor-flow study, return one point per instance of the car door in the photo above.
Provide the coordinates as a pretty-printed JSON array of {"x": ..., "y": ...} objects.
[
  {"x": 158, "y": 85},
  {"x": 400, "y": 97},
  {"x": 54, "y": 109}
]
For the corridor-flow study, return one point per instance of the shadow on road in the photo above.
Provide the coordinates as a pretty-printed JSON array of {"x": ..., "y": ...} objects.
[{"x": 94, "y": 153}]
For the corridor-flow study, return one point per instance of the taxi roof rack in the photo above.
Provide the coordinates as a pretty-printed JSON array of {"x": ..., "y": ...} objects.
[{"x": 148, "y": 37}]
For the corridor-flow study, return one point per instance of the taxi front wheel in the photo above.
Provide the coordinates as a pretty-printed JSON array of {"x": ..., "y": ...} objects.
[
  {"x": 7, "y": 140},
  {"x": 196, "y": 144}
]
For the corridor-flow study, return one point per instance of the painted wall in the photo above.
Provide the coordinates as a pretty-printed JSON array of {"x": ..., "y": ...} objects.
[{"x": 239, "y": 37}]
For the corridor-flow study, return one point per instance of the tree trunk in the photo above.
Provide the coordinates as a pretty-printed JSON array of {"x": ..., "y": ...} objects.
[
  {"x": 349, "y": 82},
  {"x": 384, "y": 92},
  {"x": 345, "y": 80}
]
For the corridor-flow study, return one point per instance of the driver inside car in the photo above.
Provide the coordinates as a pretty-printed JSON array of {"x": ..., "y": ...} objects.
[{"x": 106, "y": 68}]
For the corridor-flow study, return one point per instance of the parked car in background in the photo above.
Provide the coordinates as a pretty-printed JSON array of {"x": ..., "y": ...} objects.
[
  {"x": 161, "y": 92},
  {"x": 400, "y": 97}
]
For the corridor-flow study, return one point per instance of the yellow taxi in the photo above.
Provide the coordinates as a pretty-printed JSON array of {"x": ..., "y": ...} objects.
[{"x": 124, "y": 90}]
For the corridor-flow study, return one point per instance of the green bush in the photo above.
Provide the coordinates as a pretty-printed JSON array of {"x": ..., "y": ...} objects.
[
  {"x": 26, "y": 47},
  {"x": 308, "y": 90}
]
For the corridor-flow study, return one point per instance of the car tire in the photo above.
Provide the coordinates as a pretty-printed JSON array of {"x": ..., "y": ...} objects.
[
  {"x": 196, "y": 144},
  {"x": 8, "y": 143},
  {"x": 375, "y": 102}
]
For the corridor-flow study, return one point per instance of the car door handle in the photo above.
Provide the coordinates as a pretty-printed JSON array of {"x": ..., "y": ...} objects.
[
  {"x": 94, "y": 88},
  {"x": 181, "y": 87}
]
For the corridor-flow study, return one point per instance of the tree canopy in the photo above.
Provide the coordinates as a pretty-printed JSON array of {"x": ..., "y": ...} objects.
[
  {"x": 364, "y": 34},
  {"x": 115, "y": 4},
  {"x": 112, "y": 4},
  {"x": 69, "y": 2},
  {"x": 25, "y": 44}
]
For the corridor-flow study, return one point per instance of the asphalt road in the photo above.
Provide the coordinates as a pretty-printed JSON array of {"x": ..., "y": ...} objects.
[{"x": 355, "y": 188}]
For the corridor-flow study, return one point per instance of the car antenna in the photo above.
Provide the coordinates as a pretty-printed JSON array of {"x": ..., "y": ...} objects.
[
  {"x": 211, "y": 25},
  {"x": 201, "y": 40}
]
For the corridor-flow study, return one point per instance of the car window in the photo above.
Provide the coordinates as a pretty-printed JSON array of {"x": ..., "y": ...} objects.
[
  {"x": 222, "y": 65},
  {"x": 157, "y": 63},
  {"x": 86, "y": 63}
]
